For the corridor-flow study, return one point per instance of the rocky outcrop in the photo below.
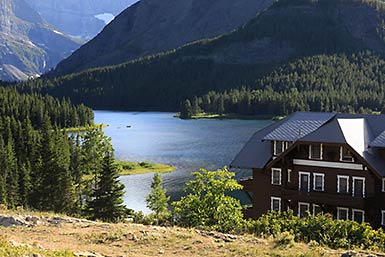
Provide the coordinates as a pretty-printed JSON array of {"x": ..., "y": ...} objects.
[
  {"x": 29, "y": 46},
  {"x": 25, "y": 220},
  {"x": 151, "y": 26}
]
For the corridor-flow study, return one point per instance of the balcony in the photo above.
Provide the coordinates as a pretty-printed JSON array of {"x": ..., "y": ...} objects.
[
  {"x": 247, "y": 183},
  {"x": 325, "y": 198},
  {"x": 327, "y": 164}
]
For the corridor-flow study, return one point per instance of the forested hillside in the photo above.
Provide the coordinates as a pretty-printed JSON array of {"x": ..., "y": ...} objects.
[
  {"x": 325, "y": 83},
  {"x": 43, "y": 168},
  {"x": 288, "y": 32}
]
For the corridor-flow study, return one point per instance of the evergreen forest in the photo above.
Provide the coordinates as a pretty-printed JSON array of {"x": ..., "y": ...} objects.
[{"x": 42, "y": 167}]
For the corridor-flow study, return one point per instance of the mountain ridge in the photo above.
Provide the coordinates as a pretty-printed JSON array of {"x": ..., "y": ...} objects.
[
  {"x": 286, "y": 31},
  {"x": 29, "y": 44},
  {"x": 149, "y": 27}
]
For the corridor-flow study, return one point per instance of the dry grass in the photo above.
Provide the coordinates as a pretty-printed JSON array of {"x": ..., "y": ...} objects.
[{"x": 138, "y": 240}]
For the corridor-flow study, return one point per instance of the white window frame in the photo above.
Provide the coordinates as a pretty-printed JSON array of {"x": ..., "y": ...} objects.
[
  {"x": 383, "y": 217},
  {"x": 341, "y": 155},
  {"x": 280, "y": 176},
  {"x": 272, "y": 199},
  {"x": 363, "y": 214},
  {"x": 363, "y": 186},
  {"x": 338, "y": 183},
  {"x": 299, "y": 180},
  {"x": 289, "y": 171},
  {"x": 383, "y": 185},
  {"x": 299, "y": 207},
  {"x": 316, "y": 205},
  {"x": 275, "y": 147},
  {"x": 342, "y": 209},
  {"x": 323, "y": 181},
  {"x": 321, "y": 152}
]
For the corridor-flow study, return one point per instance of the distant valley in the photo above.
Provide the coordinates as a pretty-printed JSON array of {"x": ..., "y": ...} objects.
[
  {"x": 80, "y": 19},
  {"x": 29, "y": 45}
]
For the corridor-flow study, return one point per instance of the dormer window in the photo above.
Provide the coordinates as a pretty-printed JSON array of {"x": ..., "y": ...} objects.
[
  {"x": 315, "y": 151},
  {"x": 346, "y": 155},
  {"x": 279, "y": 147}
]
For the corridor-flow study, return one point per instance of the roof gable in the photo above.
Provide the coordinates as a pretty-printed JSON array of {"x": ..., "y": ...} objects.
[{"x": 298, "y": 126}]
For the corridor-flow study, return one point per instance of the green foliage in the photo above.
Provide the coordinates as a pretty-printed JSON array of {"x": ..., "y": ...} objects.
[
  {"x": 43, "y": 168},
  {"x": 207, "y": 205},
  {"x": 284, "y": 240},
  {"x": 322, "y": 229},
  {"x": 325, "y": 83},
  {"x": 106, "y": 199},
  {"x": 157, "y": 201}
]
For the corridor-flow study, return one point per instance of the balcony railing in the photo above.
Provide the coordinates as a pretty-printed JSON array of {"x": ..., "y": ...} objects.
[{"x": 327, "y": 164}]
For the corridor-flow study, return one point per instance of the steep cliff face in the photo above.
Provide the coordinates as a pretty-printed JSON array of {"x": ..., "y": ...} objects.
[
  {"x": 29, "y": 46},
  {"x": 82, "y": 19},
  {"x": 152, "y": 26}
]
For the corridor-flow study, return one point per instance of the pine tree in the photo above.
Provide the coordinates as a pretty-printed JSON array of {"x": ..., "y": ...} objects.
[
  {"x": 157, "y": 201},
  {"x": 186, "y": 110},
  {"x": 107, "y": 202}
]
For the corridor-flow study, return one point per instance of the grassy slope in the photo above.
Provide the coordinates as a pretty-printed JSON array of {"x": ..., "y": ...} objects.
[
  {"x": 137, "y": 240},
  {"x": 134, "y": 168}
]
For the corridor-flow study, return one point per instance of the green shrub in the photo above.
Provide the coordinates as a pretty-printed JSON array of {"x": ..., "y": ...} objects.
[
  {"x": 284, "y": 240},
  {"x": 322, "y": 229}
]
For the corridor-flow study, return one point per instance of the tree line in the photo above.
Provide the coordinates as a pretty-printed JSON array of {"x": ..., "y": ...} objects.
[
  {"x": 44, "y": 168},
  {"x": 352, "y": 83}
]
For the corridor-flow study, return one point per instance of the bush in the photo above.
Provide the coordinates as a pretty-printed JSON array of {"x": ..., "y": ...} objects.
[
  {"x": 207, "y": 204},
  {"x": 322, "y": 229},
  {"x": 284, "y": 240}
]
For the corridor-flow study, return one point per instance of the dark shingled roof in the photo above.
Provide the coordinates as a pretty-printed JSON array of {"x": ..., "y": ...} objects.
[
  {"x": 378, "y": 141},
  {"x": 256, "y": 152},
  {"x": 298, "y": 126},
  {"x": 359, "y": 131}
]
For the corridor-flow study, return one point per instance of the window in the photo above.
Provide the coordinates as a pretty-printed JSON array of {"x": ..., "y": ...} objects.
[
  {"x": 346, "y": 155},
  {"x": 342, "y": 213},
  {"x": 318, "y": 182},
  {"x": 276, "y": 176},
  {"x": 383, "y": 185},
  {"x": 315, "y": 151},
  {"x": 358, "y": 187},
  {"x": 358, "y": 215},
  {"x": 304, "y": 182},
  {"x": 279, "y": 147},
  {"x": 342, "y": 184},
  {"x": 383, "y": 218},
  {"x": 289, "y": 175},
  {"x": 303, "y": 209},
  {"x": 317, "y": 210},
  {"x": 275, "y": 204}
]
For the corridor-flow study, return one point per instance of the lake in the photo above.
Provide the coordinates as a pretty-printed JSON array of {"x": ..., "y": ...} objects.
[{"x": 188, "y": 145}]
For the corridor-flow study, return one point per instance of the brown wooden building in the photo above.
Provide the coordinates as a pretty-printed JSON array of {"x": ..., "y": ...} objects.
[{"x": 318, "y": 162}]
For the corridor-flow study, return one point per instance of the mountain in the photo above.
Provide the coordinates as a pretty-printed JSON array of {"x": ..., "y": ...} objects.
[
  {"x": 82, "y": 19},
  {"x": 150, "y": 27},
  {"x": 29, "y": 45},
  {"x": 288, "y": 31}
]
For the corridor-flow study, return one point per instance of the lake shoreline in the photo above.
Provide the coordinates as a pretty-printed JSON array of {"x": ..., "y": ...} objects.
[
  {"x": 136, "y": 168},
  {"x": 230, "y": 116}
]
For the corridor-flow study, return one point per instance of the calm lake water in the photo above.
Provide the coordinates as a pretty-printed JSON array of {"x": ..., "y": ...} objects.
[{"x": 185, "y": 144}]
